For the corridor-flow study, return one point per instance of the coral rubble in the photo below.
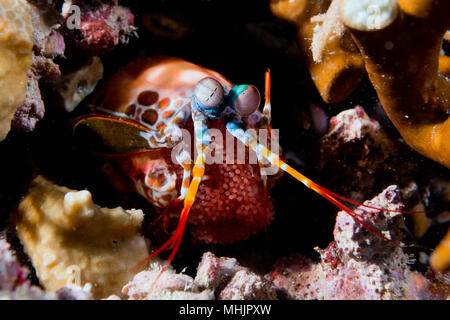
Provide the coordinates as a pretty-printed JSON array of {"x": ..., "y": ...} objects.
[
  {"x": 359, "y": 264},
  {"x": 72, "y": 240},
  {"x": 169, "y": 286},
  {"x": 232, "y": 281},
  {"x": 101, "y": 27},
  {"x": 217, "y": 278},
  {"x": 358, "y": 156}
]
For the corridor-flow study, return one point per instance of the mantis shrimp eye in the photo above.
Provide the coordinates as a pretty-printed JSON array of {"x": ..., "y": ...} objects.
[
  {"x": 209, "y": 92},
  {"x": 247, "y": 101}
]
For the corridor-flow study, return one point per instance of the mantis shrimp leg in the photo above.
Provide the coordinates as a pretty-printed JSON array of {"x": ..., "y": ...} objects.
[{"x": 173, "y": 243}]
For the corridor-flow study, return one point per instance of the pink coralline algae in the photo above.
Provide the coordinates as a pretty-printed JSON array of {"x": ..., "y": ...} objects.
[
  {"x": 217, "y": 278},
  {"x": 101, "y": 28},
  {"x": 48, "y": 44},
  {"x": 359, "y": 157},
  {"x": 359, "y": 264},
  {"x": 231, "y": 281},
  {"x": 169, "y": 286},
  {"x": 12, "y": 275}
]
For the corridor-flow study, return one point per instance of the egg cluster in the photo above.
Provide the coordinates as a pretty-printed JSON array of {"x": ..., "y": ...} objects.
[{"x": 231, "y": 204}]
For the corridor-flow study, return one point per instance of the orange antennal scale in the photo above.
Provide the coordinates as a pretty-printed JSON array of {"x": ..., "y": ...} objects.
[
  {"x": 267, "y": 86},
  {"x": 267, "y": 109}
]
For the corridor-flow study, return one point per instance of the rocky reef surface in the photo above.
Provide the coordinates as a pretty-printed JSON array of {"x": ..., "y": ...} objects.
[
  {"x": 72, "y": 227},
  {"x": 15, "y": 285},
  {"x": 359, "y": 264}
]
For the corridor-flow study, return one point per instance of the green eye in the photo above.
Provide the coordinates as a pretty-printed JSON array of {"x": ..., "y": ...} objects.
[{"x": 247, "y": 101}]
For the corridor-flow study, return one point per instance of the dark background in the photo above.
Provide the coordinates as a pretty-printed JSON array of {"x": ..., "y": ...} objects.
[{"x": 239, "y": 39}]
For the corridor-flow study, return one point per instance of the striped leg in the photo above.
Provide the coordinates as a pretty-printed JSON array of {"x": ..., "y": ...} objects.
[
  {"x": 261, "y": 120},
  {"x": 184, "y": 159},
  {"x": 267, "y": 116},
  {"x": 201, "y": 144},
  {"x": 202, "y": 140},
  {"x": 261, "y": 172}
]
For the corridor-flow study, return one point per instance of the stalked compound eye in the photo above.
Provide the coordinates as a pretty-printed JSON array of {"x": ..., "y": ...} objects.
[
  {"x": 209, "y": 92},
  {"x": 247, "y": 99}
]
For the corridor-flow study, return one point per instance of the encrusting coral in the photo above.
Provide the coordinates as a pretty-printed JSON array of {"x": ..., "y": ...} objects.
[
  {"x": 70, "y": 239},
  {"x": 16, "y": 43},
  {"x": 331, "y": 56},
  {"x": 401, "y": 44},
  {"x": 359, "y": 264}
]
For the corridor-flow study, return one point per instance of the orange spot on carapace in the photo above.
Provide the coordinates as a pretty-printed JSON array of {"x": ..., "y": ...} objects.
[
  {"x": 167, "y": 114},
  {"x": 164, "y": 103}
]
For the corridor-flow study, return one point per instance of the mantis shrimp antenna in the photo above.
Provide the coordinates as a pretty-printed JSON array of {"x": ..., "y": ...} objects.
[{"x": 275, "y": 160}]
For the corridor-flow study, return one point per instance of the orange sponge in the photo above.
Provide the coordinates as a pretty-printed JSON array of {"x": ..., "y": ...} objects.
[
  {"x": 401, "y": 44},
  {"x": 330, "y": 54}
]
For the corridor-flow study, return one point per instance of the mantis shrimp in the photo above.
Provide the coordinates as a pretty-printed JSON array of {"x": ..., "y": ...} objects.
[{"x": 139, "y": 116}]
